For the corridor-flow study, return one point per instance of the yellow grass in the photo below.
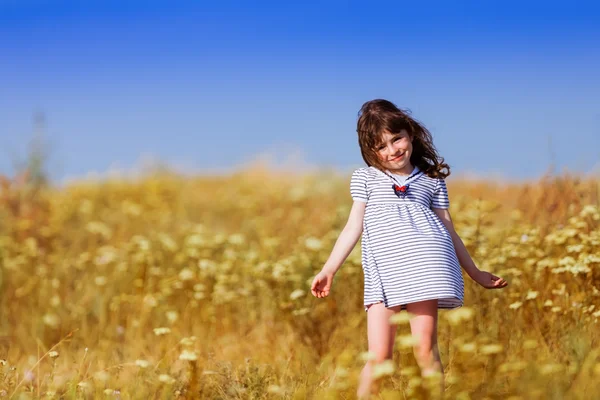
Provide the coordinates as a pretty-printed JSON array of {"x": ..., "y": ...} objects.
[{"x": 199, "y": 288}]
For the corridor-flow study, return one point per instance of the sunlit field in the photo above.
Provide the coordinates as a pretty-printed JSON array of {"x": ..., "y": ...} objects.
[{"x": 177, "y": 287}]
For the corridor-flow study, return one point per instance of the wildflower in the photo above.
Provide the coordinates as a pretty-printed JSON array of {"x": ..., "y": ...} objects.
[
  {"x": 459, "y": 315},
  {"x": 102, "y": 376},
  {"x": 575, "y": 248},
  {"x": 99, "y": 228},
  {"x": 531, "y": 295},
  {"x": 167, "y": 242},
  {"x": 161, "y": 331},
  {"x": 55, "y": 301},
  {"x": 590, "y": 308},
  {"x": 53, "y": 354},
  {"x": 207, "y": 265},
  {"x": 52, "y": 320},
  {"x": 407, "y": 341},
  {"x": 186, "y": 274},
  {"x": 302, "y": 311},
  {"x": 384, "y": 368},
  {"x": 548, "y": 369},
  {"x": 313, "y": 243},
  {"x": 142, "y": 363},
  {"x": 367, "y": 356},
  {"x": 209, "y": 372},
  {"x": 400, "y": 318},
  {"x": 166, "y": 379},
  {"x": 492, "y": 349},
  {"x": 100, "y": 281},
  {"x": 142, "y": 242},
  {"x": 468, "y": 348},
  {"x": 275, "y": 389},
  {"x": 29, "y": 376},
  {"x": 590, "y": 210},
  {"x": 198, "y": 287},
  {"x": 237, "y": 238},
  {"x": 296, "y": 294},
  {"x": 513, "y": 367},
  {"x": 516, "y": 305},
  {"x": 188, "y": 355},
  {"x": 150, "y": 301},
  {"x": 172, "y": 316},
  {"x": 188, "y": 341}
]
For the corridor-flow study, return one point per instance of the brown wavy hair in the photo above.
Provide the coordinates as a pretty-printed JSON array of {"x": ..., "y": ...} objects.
[{"x": 377, "y": 116}]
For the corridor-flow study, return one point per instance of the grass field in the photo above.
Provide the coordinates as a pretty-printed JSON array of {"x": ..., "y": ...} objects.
[{"x": 173, "y": 286}]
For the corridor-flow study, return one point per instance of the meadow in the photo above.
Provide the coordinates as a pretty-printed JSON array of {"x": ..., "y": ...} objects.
[{"x": 173, "y": 286}]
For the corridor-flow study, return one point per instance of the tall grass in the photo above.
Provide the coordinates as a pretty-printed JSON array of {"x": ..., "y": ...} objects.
[{"x": 173, "y": 286}]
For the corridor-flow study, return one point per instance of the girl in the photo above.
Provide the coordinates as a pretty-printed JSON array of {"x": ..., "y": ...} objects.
[{"x": 411, "y": 254}]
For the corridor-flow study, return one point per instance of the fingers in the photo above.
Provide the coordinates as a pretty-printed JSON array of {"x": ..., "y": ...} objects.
[
  {"x": 496, "y": 282},
  {"x": 318, "y": 290},
  {"x": 313, "y": 287},
  {"x": 499, "y": 283},
  {"x": 316, "y": 283},
  {"x": 320, "y": 293}
]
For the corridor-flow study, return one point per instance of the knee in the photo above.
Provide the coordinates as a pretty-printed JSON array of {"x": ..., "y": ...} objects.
[
  {"x": 381, "y": 355},
  {"x": 424, "y": 351}
]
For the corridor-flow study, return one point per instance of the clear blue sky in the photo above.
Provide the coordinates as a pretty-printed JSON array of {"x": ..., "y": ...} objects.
[{"x": 504, "y": 86}]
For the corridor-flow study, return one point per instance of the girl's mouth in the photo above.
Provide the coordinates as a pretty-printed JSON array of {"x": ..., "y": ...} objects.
[{"x": 397, "y": 158}]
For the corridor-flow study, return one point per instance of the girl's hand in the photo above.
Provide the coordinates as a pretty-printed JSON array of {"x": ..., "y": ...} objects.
[
  {"x": 489, "y": 281},
  {"x": 321, "y": 285}
]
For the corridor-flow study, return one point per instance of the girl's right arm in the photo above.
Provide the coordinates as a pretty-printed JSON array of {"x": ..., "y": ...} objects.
[{"x": 343, "y": 246}]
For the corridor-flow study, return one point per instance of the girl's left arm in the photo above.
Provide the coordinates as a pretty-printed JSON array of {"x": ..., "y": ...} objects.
[{"x": 484, "y": 278}]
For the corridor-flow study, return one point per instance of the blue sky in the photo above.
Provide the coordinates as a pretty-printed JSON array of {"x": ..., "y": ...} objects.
[{"x": 505, "y": 87}]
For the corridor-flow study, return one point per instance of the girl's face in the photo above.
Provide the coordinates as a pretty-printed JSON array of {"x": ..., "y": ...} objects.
[{"x": 394, "y": 152}]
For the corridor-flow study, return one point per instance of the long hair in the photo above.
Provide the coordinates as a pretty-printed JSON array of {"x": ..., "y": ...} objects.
[{"x": 378, "y": 116}]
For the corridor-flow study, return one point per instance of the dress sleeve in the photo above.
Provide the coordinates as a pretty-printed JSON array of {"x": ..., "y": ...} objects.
[
  {"x": 440, "y": 195},
  {"x": 358, "y": 186}
]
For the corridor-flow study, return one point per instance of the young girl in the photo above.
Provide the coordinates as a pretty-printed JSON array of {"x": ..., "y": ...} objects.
[{"x": 411, "y": 254}]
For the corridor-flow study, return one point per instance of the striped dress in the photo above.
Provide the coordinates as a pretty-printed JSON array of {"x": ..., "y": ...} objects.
[{"x": 407, "y": 252}]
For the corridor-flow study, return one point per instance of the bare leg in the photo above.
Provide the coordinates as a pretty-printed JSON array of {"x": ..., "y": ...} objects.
[
  {"x": 424, "y": 326},
  {"x": 381, "y": 336}
]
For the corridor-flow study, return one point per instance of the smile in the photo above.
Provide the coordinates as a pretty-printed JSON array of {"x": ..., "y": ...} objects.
[{"x": 397, "y": 158}]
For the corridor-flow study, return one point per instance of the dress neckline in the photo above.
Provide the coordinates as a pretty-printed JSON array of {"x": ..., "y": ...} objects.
[
  {"x": 416, "y": 173},
  {"x": 406, "y": 177}
]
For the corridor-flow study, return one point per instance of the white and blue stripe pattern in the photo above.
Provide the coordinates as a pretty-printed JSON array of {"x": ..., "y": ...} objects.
[{"x": 407, "y": 252}]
